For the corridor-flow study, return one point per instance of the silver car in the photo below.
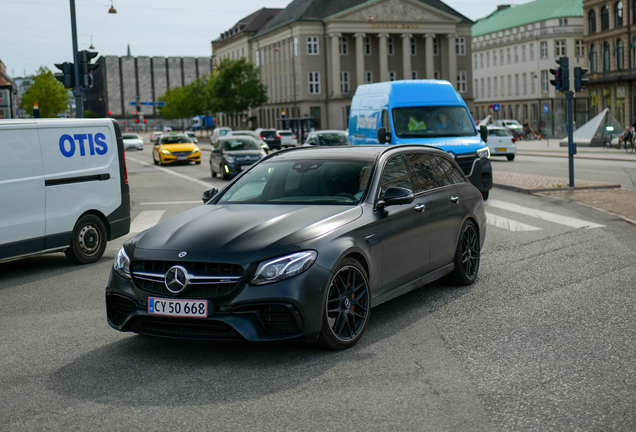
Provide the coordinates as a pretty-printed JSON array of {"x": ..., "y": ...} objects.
[{"x": 133, "y": 141}]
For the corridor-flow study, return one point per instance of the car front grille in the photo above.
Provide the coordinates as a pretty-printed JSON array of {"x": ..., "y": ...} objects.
[
  {"x": 181, "y": 153},
  {"x": 247, "y": 158},
  {"x": 207, "y": 280},
  {"x": 183, "y": 327},
  {"x": 466, "y": 163}
]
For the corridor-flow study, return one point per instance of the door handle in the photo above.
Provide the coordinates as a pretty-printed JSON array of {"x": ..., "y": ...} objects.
[
  {"x": 455, "y": 199},
  {"x": 420, "y": 207}
]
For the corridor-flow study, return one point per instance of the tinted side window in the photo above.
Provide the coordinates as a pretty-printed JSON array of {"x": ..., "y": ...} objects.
[
  {"x": 395, "y": 174},
  {"x": 421, "y": 167},
  {"x": 445, "y": 172}
]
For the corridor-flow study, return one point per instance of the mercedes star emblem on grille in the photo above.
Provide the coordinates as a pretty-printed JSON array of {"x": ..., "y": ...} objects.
[{"x": 177, "y": 279}]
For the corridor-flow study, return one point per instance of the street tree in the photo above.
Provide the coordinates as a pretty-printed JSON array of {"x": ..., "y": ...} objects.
[
  {"x": 235, "y": 88},
  {"x": 48, "y": 92}
]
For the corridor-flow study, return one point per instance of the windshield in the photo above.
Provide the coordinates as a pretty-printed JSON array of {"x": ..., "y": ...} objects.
[
  {"x": 130, "y": 136},
  {"x": 176, "y": 140},
  {"x": 318, "y": 182},
  {"x": 190, "y": 134},
  {"x": 283, "y": 133},
  {"x": 223, "y": 132},
  {"x": 240, "y": 144},
  {"x": 332, "y": 139},
  {"x": 433, "y": 121}
]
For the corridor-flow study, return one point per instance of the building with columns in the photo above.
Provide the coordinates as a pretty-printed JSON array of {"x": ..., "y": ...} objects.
[
  {"x": 514, "y": 49},
  {"x": 610, "y": 37},
  {"x": 314, "y": 53}
]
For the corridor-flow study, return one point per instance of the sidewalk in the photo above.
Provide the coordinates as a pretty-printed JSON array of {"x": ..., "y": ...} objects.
[
  {"x": 551, "y": 148},
  {"x": 606, "y": 197}
]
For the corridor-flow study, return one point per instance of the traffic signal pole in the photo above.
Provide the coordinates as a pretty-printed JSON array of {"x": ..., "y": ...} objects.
[
  {"x": 569, "y": 96},
  {"x": 77, "y": 91}
]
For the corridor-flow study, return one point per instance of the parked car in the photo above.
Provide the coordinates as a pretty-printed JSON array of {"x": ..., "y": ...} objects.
[
  {"x": 300, "y": 246},
  {"x": 271, "y": 137},
  {"x": 133, "y": 141},
  {"x": 155, "y": 136},
  {"x": 234, "y": 154},
  {"x": 175, "y": 148},
  {"x": 218, "y": 133},
  {"x": 501, "y": 142},
  {"x": 287, "y": 138},
  {"x": 252, "y": 134},
  {"x": 327, "y": 138},
  {"x": 192, "y": 135},
  {"x": 511, "y": 125}
]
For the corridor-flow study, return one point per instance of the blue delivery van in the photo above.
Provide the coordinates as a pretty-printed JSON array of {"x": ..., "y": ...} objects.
[{"x": 427, "y": 112}]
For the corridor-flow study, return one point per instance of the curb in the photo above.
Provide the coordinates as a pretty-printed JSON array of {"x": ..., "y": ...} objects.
[
  {"x": 577, "y": 156},
  {"x": 536, "y": 190}
]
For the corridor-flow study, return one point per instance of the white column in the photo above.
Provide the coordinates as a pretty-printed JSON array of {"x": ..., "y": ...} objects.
[
  {"x": 430, "y": 66},
  {"x": 452, "y": 59},
  {"x": 359, "y": 58},
  {"x": 406, "y": 55},
  {"x": 384, "y": 58},
  {"x": 336, "y": 90}
]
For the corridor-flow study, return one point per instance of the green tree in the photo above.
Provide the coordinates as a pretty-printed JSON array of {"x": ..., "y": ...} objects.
[
  {"x": 89, "y": 113},
  {"x": 235, "y": 88},
  {"x": 175, "y": 103},
  {"x": 48, "y": 92}
]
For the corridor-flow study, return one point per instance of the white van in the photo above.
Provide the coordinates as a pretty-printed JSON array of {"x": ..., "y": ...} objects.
[{"x": 63, "y": 187}]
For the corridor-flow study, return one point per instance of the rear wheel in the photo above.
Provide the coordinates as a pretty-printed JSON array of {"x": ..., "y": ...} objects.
[
  {"x": 154, "y": 160},
  {"x": 89, "y": 240},
  {"x": 510, "y": 157},
  {"x": 212, "y": 172},
  {"x": 466, "y": 256},
  {"x": 347, "y": 307}
]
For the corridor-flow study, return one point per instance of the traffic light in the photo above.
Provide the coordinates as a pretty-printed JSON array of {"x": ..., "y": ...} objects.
[
  {"x": 86, "y": 68},
  {"x": 67, "y": 77},
  {"x": 579, "y": 81},
  {"x": 561, "y": 81}
]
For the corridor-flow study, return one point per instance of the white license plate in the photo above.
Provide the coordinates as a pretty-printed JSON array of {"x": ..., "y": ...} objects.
[
  {"x": 244, "y": 167},
  {"x": 182, "y": 158},
  {"x": 177, "y": 308}
]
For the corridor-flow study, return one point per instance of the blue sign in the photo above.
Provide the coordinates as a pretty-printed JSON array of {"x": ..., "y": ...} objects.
[
  {"x": 148, "y": 103},
  {"x": 546, "y": 109},
  {"x": 495, "y": 107}
]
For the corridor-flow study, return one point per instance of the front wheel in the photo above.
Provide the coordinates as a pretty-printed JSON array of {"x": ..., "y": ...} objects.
[
  {"x": 89, "y": 240},
  {"x": 466, "y": 256},
  {"x": 347, "y": 307}
]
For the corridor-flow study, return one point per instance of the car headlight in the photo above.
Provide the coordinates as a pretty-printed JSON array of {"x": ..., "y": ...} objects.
[
  {"x": 483, "y": 153},
  {"x": 166, "y": 152},
  {"x": 229, "y": 159},
  {"x": 196, "y": 150},
  {"x": 122, "y": 263},
  {"x": 283, "y": 268}
]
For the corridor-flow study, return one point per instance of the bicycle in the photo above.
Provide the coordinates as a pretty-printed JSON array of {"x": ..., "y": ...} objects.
[{"x": 629, "y": 146}]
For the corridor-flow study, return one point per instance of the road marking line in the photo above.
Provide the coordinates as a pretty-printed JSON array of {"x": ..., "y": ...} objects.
[
  {"x": 172, "y": 202},
  {"x": 550, "y": 217},
  {"x": 145, "y": 220},
  {"x": 183, "y": 176},
  {"x": 508, "y": 224}
]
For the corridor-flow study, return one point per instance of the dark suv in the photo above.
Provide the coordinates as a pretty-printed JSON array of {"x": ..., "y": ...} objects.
[{"x": 271, "y": 137}]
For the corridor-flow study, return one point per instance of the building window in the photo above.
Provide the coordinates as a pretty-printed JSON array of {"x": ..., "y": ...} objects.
[
  {"x": 494, "y": 86},
  {"x": 525, "y": 83},
  {"x": 482, "y": 87},
  {"x": 508, "y": 56},
  {"x": 509, "y": 85},
  {"x": 494, "y": 58},
  {"x": 604, "y": 18},
  {"x": 413, "y": 46},
  {"x": 476, "y": 64},
  {"x": 580, "y": 48},
  {"x": 414, "y": 75},
  {"x": 516, "y": 54},
  {"x": 258, "y": 58},
  {"x": 516, "y": 84},
  {"x": 481, "y": 60},
  {"x": 435, "y": 46},
  {"x": 559, "y": 48},
  {"x": 368, "y": 77},
  {"x": 390, "y": 46},
  {"x": 295, "y": 47},
  {"x": 563, "y": 22},
  {"x": 344, "y": 46},
  {"x": 344, "y": 82},
  {"x": 436, "y": 75},
  {"x": 391, "y": 75},
  {"x": 314, "y": 82},
  {"x": 618, "y": 50},
  {"x": 605, "y": 54},
  {"x": 367, "y": 46},
  {"x": 544, "y": 50},
  {"x": 488, "y": 80},
  {"x": 591, "y": 22},
  {"x": 462, "y": 81},
  {"x": 618, "y": 14},
  {"x": 312, "y": 45},
  {"x": 475, "y": 93},
  {"x": 531, "y": 52},
  {"x": 523, "y": 53},
  {"x": 544, "y": 81},
  {"x": 532, "y": 78},
  {"x": 460, "y": 46},
  {"x": 593, "y": 61},
  {"x": 501, "y": 57},
  {"x": 503, "y": 91},
  {"x": 487, "y": 59}
]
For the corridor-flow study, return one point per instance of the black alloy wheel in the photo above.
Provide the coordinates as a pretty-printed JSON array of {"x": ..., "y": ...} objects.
[
  {"x": 347, "y": 306},
  {"x": 466, "y": 256}
]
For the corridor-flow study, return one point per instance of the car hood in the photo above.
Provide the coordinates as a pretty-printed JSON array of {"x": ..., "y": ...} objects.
[{"x": 240, "y": 228}]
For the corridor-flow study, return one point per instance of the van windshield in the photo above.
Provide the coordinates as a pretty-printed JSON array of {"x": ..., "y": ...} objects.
[{"x": 433, "y": 121}]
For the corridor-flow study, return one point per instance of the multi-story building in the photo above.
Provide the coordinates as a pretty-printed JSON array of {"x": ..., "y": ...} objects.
[
  {"x": 314, "y": 53},
  {"x": 610, "y": 30},
  {"x": 513, "y": 50},
  {"x": 4, "y": 79}
]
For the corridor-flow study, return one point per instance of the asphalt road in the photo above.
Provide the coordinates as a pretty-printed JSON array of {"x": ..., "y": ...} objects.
[{"x": 544, "y": 340}]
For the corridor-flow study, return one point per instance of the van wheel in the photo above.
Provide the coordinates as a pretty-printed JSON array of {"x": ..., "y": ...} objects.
[{"x": 89, "y": 240}]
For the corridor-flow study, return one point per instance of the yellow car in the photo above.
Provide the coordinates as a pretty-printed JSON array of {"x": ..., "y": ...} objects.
[{"x": 175, "y": 148}]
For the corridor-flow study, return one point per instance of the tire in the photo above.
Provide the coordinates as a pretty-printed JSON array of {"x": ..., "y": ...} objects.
[
  {"x": 466, "y": 256},
  {"x": 212, "y": 172},
  {"x": 485, "y": 195},
  {"x": 510, "y": 157},
  {"x": 224, "y": 175},
  {"x": 154, "y": 160},
  {"x": 197, "y": 162},
  {"x": 89, "y": 240},
  {"x": 342, "y": 325}
]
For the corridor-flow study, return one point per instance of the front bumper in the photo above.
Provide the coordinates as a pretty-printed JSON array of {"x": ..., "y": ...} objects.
[
  {"x": 196, "y": 157},
  {"x": 290, "y": 309}
]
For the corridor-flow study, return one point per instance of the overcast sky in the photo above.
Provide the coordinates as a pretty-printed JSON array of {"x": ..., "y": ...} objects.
[{"x": 37, "y": 33}]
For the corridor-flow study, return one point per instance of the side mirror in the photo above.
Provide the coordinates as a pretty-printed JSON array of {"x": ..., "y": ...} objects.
[
  {"x": 209, "y": 193},
  {"x": 483, "y": 131},
  {"x": 215, "y": 150},
  {"x": 382, "y": 135},
  {"x": 396, "y": 196}
]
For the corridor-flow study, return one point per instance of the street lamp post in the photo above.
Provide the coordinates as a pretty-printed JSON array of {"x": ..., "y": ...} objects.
[{"x": 77, "y": 91}]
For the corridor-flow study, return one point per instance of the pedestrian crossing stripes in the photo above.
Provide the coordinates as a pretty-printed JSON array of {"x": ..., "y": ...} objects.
[
  {"x": 539, "y": 214},
  {"x": 146, "y": 219},
  {"x": 508, "y": 224}
]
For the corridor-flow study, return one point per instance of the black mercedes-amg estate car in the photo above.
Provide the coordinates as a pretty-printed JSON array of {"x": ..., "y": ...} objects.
[{"x": 301, "y": 246}]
